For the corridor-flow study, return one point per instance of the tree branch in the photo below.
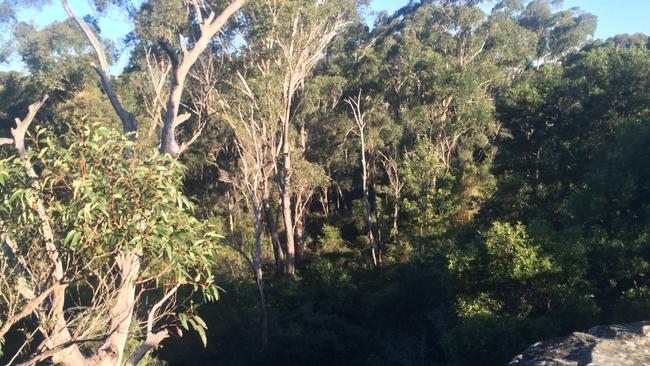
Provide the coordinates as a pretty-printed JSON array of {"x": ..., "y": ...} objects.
[
  {"x": 27, "y": 309},
  {"x": 22, "y": 125},
  {"x": 153, "y": 339},
  {"x": 180, "y": 68},
  {"x": 129, "y": 123}
]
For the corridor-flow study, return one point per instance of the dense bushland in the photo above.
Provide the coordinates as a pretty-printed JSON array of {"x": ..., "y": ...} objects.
[{"x": 446, "y": 186}]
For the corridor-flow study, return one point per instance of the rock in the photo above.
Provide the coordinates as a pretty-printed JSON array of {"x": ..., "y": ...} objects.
[{"x": 619, "y": 345}]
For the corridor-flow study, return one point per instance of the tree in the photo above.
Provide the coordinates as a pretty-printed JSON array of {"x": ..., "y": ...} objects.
[
  {"x": 558, "y": 33},
  {"x": 79, "y": 222},
  {"x": 288, "y": 52},
  {"x": 209, "y": 24},
  {"x": 253, "y": 137},
  {"x": 360, "y": 121}
]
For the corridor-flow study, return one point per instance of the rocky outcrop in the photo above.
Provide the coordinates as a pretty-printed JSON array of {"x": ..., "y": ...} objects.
[{"x": 620, "y": 345}]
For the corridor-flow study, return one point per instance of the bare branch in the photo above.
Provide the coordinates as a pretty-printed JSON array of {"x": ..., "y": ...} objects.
[
  {"x": 27, "y": 309},
  {"x": 22, "y": 125},
  {"x": 129, "y": 123},
  {"x": 158, "y": 73},
  {"x": 153, "y": 339}
]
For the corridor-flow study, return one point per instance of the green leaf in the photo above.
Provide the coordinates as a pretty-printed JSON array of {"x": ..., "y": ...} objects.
[
  {"x": 200, "y": 321},
  {"x": 75, "y": 239},
  {"x": 69, "y": 237},
  {"x": 204, "y": 338},
  {"x": 183, "y": 319}
]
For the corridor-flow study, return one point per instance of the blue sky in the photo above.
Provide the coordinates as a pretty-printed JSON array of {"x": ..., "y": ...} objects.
[{"x": 614, "y": 17}]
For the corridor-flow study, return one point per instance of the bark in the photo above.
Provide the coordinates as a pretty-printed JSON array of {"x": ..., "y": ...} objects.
[
  {"x": 366, "y": 203},
  {"x": 395, "y": 216},
  {"x": 278, "y": 253},
  {"x": 301, "y": 234},
  {"x": 121, "y": 313},
  {"x": 325, "y": 201},
  {"x": 378, "y": 239},
  {"x": 286, "y": 171},
  {"x": 285, "y": 200}
]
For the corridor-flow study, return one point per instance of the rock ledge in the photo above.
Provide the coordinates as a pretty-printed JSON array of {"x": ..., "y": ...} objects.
[{"x": 626, "y": 344}]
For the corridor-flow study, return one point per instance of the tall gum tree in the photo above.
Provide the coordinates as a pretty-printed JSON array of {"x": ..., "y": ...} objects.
[{"x": 285, "y": 42}]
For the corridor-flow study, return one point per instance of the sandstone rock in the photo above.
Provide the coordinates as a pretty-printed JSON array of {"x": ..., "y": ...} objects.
[{"x": 619, "y": 345}]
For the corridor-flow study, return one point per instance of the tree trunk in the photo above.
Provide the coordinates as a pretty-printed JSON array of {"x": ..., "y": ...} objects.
[
  {"x": 325, "y": 201},
  {"x": 278, "y": 253},
  {"x": 299, "y": 233},
  {"x": 121, "y": 314},
  {"x": 378, "y": 239},
  {"x": 285, "y": 198},
  {"x": 290, "y": 267},
  {"x": 259, "y": 275},
  {"x": 168, "y": 143},
  {"x": 395, "y": 216},
  {"x": 366, "y": 202},
  {"x": 355, "y": 105}
]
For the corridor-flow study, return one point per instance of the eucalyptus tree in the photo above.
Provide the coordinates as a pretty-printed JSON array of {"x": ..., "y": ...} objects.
[
  {"x": 361, "y": 131},
  {"x": 98, "y": 251},
  {"x": 133, "y": 233},
  {"x": 283, "y": 44},
  {"x": 558, "y": 33},
  {"x": 183, "y": 52},
  {"x": 254, "y": 134}
]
